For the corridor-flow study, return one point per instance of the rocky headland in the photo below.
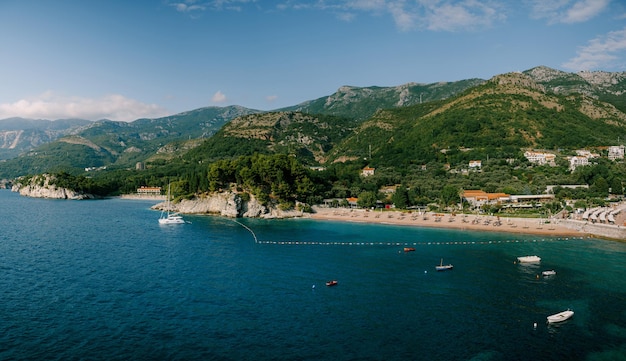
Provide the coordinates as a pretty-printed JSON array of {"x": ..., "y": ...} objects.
[
  {"x": 42, "y": 186},
  {"x": 227, "y": 204}
]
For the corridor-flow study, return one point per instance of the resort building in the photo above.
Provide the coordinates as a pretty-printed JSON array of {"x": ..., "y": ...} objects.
[
  {"x": 477, "y": 197},
  {"x": 352, "y": 201},
  {"x": 152, "y": 191}
]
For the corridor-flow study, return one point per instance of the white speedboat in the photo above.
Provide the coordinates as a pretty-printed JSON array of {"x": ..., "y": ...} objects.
[
  {"x": 548, "y": 273},
  {"x": 561, "y": 316},
  {"x": 529, "y": 259}
]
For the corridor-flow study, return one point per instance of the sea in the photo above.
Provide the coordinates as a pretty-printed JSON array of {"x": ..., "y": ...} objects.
[{"x": 102, "y": 280}]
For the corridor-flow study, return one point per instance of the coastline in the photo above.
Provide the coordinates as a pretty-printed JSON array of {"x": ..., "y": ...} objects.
[{"x": 483, "y": 223}]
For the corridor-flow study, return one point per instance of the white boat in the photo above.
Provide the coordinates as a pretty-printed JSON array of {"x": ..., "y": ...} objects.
[
  {"x": 548, "y": 273},
  {"x": 166, "y": 216},
  {"x": 528, "y": 259},
  {"x": 443, "y": 267},
  {"x": 561, "y": 316}
]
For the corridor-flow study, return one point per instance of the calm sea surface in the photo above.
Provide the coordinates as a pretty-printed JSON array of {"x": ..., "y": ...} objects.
[{"x": 102, "y": 280}]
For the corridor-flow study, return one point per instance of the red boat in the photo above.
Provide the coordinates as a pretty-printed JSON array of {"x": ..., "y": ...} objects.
[
  {"x": 331, "y": 283},
  {"x": 409, "y": 249}
]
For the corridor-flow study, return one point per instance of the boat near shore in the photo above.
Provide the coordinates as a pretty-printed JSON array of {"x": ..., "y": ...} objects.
[{"x": 548, "y": 273}]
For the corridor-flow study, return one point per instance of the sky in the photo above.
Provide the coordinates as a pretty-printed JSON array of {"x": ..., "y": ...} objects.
[{"x": 124, "y": 60}]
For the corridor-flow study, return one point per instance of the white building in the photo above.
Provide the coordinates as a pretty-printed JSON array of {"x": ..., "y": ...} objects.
[
  {"x": 475, "y": 164},
  {"x": 540, "y": 158},
  {"x": 616, "y": 152},
  {"x": 577, "y": 161},
  {"x": 587, "y": 154}
]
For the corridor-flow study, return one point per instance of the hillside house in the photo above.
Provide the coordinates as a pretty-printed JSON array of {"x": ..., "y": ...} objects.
[
  {"x": 587, "y": 154},
  {"x": 577, "y": 161},
  {"x": 473, "y": 164},
  {"x": 367, "y": 171},
  {"x": 540, "y": 158},
  {"x": 616, "y": 152}
]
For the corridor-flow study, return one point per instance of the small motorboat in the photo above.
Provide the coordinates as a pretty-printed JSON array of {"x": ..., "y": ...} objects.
[
  {"x": 409, "y": 249},
  {"x": 561, "y": 316},
  {"x": 443, "y": 267},
  {"x": 548, "y": 273},
  {"x": 528, "y": 259},
  {"x": 331, "y": 283}
]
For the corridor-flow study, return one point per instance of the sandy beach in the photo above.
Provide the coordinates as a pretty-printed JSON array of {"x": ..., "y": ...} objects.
[{"x": 482, "y": 223}]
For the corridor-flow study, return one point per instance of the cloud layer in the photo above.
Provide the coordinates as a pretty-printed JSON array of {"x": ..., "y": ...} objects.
[
  {"x": 600, "y": 52},
  {"x": 52, "y": 106}
]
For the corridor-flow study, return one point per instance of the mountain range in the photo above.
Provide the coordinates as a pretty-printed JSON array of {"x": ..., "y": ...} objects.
[{"x": 407, "y": 124}]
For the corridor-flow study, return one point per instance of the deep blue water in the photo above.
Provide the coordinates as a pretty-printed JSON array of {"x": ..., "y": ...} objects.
[{"x": 102, "y": 280}]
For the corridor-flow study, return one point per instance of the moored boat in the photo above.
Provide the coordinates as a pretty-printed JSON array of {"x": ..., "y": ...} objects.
[
  {"x": 548, "y": 273},
  {"x": 409, "y": 249},
  {"x": 332, "y": 283},
  {"x": 561, "y": 316},
  {"x": 528, "y": 259},
  {"x": 166, "y": 216},
  {"x": 443, "y": 267}
]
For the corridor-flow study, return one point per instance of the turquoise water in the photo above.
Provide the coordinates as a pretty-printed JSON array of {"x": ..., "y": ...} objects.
[{"x": 103, "y": 280}]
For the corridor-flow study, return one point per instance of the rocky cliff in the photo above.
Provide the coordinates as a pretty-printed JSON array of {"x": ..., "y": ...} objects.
[
  {"x": 42, "y": 186},
  {"x": 227, "y": 204}
]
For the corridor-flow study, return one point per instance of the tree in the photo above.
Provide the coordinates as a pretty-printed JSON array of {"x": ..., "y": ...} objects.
[
  {"x": 401, "y": 197},
  {"x": 366, "y": 199},
  {"x": 616, "y": 186},
  {"x": 449, "y": 195}
]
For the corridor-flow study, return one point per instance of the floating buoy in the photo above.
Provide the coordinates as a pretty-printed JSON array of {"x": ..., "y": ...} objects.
[
  {"x": 425, "y": 271},
  {"x": 535, "y": 325},
  {"x": 313, "y": 287}
]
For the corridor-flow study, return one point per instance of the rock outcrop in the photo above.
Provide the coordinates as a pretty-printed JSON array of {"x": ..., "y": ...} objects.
[
  {"x": 42, "y": 186},
  {"x": 228, "y": 204}
]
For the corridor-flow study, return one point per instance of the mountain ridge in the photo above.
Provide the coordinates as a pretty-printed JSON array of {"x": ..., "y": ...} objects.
[{"x": 540, "y": 89}]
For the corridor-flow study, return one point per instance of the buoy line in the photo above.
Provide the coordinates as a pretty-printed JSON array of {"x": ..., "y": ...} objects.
[
  {"x": 248, "y": 228},
  {"x": 347, "y": 243}
]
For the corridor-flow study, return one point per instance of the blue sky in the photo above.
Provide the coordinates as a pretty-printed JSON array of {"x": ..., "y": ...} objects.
[{"x": 123, "y": 60}]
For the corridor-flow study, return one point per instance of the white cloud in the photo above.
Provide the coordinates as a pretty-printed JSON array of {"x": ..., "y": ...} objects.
[
  {"x": 52, "y": 106},
  {"x": 601, "y": 52},
  {"x": 469, "y": 14},
  {"x": 437, "y": 15},
  {"x": 218, "y": 97},
  {"x": 191, "y": 6},
  {"x": 567, "y": 11}
]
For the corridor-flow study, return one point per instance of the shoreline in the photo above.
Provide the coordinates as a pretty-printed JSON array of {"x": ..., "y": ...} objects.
[{"x": 483, "y": 223}]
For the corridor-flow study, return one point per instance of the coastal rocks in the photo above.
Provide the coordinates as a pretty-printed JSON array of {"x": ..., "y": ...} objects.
[
  {"x": 225, "y": 204},
  {"x": 228, "y": 204},
  {"x": 42, "y": 186}
]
